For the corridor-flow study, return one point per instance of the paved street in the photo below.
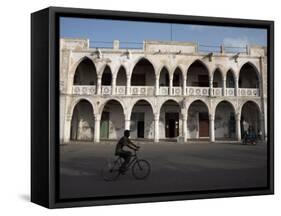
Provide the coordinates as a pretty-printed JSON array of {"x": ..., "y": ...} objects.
[{"x": 175, "y": 167}]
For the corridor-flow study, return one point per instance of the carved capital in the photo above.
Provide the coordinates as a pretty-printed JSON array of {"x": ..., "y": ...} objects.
[
  {"x": 156, "y": 116},
  {"x": 97, "y": 117},
  {"x": 211, "y": 117},
  {"x": 238, "y": 116}
]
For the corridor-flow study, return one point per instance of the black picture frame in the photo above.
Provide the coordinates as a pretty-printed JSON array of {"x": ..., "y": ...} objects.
[{"x": 45, "y": 104}]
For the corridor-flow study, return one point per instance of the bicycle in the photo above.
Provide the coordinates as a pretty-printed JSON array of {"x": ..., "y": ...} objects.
[{"x": 140, "y": 168}]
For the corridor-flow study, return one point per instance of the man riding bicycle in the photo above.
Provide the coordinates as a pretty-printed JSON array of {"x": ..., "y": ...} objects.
[{"x": 126, "y": 155}]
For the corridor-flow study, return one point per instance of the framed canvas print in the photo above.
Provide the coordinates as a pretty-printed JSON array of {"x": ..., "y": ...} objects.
[{"x": 139, "y": 107}]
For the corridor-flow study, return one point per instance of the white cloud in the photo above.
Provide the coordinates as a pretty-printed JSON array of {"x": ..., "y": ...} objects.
[{"x": 236, "y": 42}]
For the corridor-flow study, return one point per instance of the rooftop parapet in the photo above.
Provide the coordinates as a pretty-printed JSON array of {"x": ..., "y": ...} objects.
[
  {"x": 74, "y": 44},
  {"x": 169, "y": 46},
  {"x": 152, "y": 46},
  {"x": 255, "y": 50}
]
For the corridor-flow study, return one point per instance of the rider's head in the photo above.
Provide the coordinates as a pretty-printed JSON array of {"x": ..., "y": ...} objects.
[{"x": 126, "y": 133}]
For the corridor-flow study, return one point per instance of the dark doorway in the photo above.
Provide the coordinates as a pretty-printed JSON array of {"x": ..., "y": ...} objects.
[
  {"x": 203, "y": 124},
  {"x": 140, "y": 129},
  {"x": 104, "y": 127},
  {"x": 138, "y": 124},
  {"x": 172, "y": 125}
]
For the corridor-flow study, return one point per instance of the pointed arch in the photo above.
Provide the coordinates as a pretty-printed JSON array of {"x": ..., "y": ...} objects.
[
  {"x": 249, "y": 76},
  {"x": 225, "y": 124},
  {"x": 112, "y": 119},
  {"x": 250, "y": 117},
  {"x": 82, "y": 121},
  {"x": 142, "y": 119},
  {"x": 177, "y": 77},
  {"x": 230, "y": 79},
  {"x": 143, "y": 73},
  {"x": 164, "y": 77},
  {"x": 217, "y": 78},
  {"x": 121, "y": 76},
  {"x": 198, "y": 74},
  {"x": 169, "y": 121},
  {"x": 85, "y": 72},
  {"x": 198, "y": 120},
  {"x": 106, "y": 78}
]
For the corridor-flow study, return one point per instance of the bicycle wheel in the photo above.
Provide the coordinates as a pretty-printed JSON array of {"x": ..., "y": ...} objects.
[
  {"x": 141, "y": 169},
  {"x": 110, "y": 171}
]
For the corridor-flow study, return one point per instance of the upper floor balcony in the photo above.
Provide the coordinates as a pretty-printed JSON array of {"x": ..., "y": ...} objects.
[{"x": 143, "y": 80}]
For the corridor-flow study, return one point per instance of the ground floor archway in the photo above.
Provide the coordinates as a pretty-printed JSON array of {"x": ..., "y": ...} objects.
[
  {"x": 112, "y": 121},
  {"x": 169, "y": 120},
  {"x": 142, "y": 125},
  {"x": 197, "y": 120},
  {"x": 82, "y": 122},
  {"x": 225, "y": 124},
  {"x": 250, "y": 117}
]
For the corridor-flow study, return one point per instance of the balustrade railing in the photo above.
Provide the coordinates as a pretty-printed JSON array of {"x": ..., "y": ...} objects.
[
  {"x": 143, "y": 90},
  {"x": 198, "y": 91},
  {"x": 230, "y": 92},
  {"x": 120, "y": 90},
  {"x": 84, "y": 90},
  {"x": 164, "y": 90},
  {"x": 177, "y": 91},
  {"x": 217, "y": 92},
  {"x": 248, "y": 92},
  {"x": 106, "y": 90}
]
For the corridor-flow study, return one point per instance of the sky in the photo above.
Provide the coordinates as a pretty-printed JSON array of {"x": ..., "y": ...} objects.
[{"x": 102, "y": 32}]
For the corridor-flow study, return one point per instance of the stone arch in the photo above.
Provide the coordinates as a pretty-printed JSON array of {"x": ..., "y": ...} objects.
[
  {"x": 170, "y": 124},
  {"x": 198, "y": 74},
  {"x": 225, "y": 122},
  {"x": 142, "y": 119},
  {"x": 197, "y": 120},
  {"x": 250, "y": 116},
  {"x": 178, "y": 77},
  {"x": 106, "y": 75},
  {"x": 82, "y": 121},
  {"x": 121, "y": 76},
  {"x": 218, "y": 77},
  {"x": 205, "y": 101},
  {"x": 160, "y": 67},
  {"x": 219, "y": 68},
  {"x": 112, "y": 122},
  {"x": 253, "y": 101},
  {"x": 233, "y": 105},
  {"x": 118, "y": 100},
  {"x": 142, "y": 77},
  {"x": 249, "y": 76},
  {"x": 230, "y": 78},
  {"x": 164, "y": 76},
  {"x": 85, "y": 72},
  {"x": 133, "y": 102},
  {"x": 76, "y": 101},
  {"x": 165, "y": 100},
  {"x": 74, "y": 65}
]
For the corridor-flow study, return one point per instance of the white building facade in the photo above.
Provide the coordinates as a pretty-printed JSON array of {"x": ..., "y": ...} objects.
[{"x": 164, "y": 91}]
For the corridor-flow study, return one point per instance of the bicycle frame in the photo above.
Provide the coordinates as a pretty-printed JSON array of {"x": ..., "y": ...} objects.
[{"x": 133, "y": 159}]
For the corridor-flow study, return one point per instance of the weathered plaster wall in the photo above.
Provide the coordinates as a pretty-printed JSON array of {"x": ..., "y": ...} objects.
[
  {"x": 83, "y": 122},
  {"x": 116, "y": 121},
  {"x": 224, "y": 125},
  {"x": 193, "y": 120}
]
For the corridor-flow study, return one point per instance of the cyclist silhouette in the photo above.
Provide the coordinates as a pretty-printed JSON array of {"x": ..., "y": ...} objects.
[{"x": 126, "y": 155}]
